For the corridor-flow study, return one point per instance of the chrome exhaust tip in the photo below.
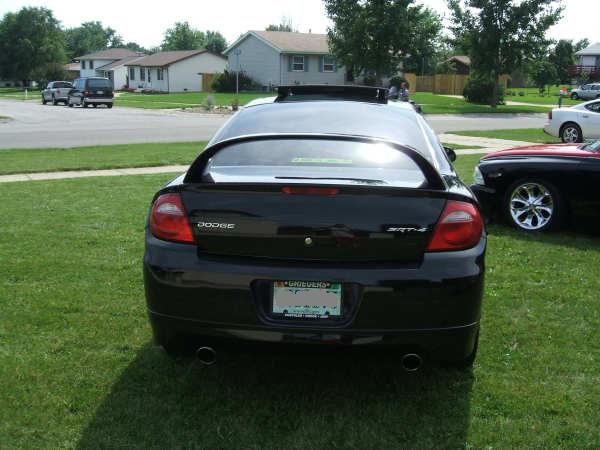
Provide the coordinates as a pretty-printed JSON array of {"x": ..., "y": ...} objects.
[
  {"x": 411, "y": 362},
  {"x": 207, "y": 355}
]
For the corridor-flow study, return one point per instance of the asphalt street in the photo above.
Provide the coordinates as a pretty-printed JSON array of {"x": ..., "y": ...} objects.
[{"x": 33, "y": 125}]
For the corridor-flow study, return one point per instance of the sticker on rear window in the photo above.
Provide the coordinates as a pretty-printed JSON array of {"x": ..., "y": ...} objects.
[{"x": 322, "y": 161}]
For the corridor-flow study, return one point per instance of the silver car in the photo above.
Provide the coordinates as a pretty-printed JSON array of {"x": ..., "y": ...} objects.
[
  {"x": 586, "y": 92},
  {"x": 56, "y": 91}
]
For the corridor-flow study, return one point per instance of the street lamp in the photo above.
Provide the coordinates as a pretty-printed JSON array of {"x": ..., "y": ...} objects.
[{"x": 237, "y": 52}]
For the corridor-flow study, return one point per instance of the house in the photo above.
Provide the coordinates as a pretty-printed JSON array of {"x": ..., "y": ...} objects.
[
  {"x": 274, "y": 58},
  {"x": 108, "y": 63},
  {"x": 176, "y": 71},
  {"x": 460, "y": 64},
  {"x": 588, "y": 63}
]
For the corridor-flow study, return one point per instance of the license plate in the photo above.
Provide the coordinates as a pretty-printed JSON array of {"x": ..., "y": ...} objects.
[
  {"x": 307, "y": 299},
  {"x": 99, "y": 92}
]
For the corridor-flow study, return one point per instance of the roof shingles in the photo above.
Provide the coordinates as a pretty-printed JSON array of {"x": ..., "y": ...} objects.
[{"x": 289, "y": 42}]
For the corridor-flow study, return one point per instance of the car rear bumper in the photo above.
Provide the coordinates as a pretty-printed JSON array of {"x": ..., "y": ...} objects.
[
  {"x": 98, "y": 99},
  {"x": 433, "y": 308}
]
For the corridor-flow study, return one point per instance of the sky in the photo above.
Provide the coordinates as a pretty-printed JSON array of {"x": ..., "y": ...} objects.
[{"x": 146, "y": 22}]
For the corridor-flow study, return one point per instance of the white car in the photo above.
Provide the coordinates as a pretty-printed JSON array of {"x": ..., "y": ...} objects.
[{"x": 576, "y": 123}]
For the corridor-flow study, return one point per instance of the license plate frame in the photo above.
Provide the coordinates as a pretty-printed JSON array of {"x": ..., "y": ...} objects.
[{"x": 307, "y": 300}]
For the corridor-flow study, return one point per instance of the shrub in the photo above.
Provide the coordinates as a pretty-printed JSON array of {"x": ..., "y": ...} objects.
[
  {"x": 235, "y": 103},
  {"x": 521, "y": 94},
  {"x": 209, "y": 103},
  {"x": 225, "y": 82},
  {"x": 479, "y": 89}
]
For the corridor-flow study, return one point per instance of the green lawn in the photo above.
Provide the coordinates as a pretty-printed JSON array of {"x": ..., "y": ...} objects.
[
  {"x": 19, "y": 93},
  {"x": 78, "y": 368},
  {"x": 183, "y": 100},
  {"x": 98, "y": 157},
  {"x": 532, "y": 95},
  {"x": 460, "y": 147},
  {"x": 441, "y": 104},
  {"x": 524, "y": 134}
]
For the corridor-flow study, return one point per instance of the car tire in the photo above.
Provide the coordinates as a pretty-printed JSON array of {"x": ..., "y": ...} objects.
[
  {"x": 54, "y": 101},
  {"x": 69, "y": 104},
  {"x": 533, "y": 205},
  {"x": 570, "y": 132},
  {"x": 84, "y": 103},
  {"x": 44, "y": 101},
  {"x": 95, "y": 105},
  {"x": 109, "y": 105},
  {"x": 574, "y": 96}
]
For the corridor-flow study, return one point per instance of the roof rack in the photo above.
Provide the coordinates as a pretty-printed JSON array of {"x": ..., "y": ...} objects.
[{"x": 308, "y": 92}]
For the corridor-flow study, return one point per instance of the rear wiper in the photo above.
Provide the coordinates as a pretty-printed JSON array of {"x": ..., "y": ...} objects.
[{"x": 358, "y": 180}]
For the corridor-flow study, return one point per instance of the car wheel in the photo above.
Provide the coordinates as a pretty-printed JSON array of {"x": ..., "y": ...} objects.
[
  {"x": 69, "y": 104},
  {"x": 571, "y": 132},
  {"x": 84, "y": 103},
  {"x": 574, "y": 96},
  {"x": 95, "y": 105},
  {"x": 533, "y": 205},
  {"x": 109, "y": 105},
  {"x": 44, "y": 100},
  {"x": 54, "y": 102}
]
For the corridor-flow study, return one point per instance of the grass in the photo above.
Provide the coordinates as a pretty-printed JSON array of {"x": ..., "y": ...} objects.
[
  {"x": 183, "y": 100},
  {"x": 441, "y": 104},
  {"x": 98, "y": 157},
  {"x": 18, "y": 93},
  {"x": 78, "y": 367},
  {"x": 550, "y": 96},
  {"x": 524, "y": 134}
]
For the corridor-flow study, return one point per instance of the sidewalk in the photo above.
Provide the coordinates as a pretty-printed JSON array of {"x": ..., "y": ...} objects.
[
  {"x": 90, "y": 173},
  {"x": 488, "y": 144}
]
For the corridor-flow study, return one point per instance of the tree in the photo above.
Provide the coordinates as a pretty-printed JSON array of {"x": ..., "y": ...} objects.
[
  {"x": 31, "y": 45},
  {"x": 425, "y": 52},
  {"x": 376, "y": 36},
  {"x": 543, "y": 72},
  {"x": 562, "y": 57},
  {"x": 285, "y": 25},
  {"x": 215, "y": 42},
  {"x": 90, "y": 37},
  {"x": 183, "y": 37},
  {"x": 134, "y": 46},
  {"x": 580, "y": 45},
  {"x": 501, "y": 34}
]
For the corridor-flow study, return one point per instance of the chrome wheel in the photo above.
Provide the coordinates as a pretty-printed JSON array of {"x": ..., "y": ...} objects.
[
  {"x": 531, "y": 206},
  {"x": 570, "y": 134}
]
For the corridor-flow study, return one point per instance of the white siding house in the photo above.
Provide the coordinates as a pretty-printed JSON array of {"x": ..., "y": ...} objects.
[
  {"x": 175, "y": 71},
  {"x": 589, "y": 56},
  {"x": 108, "y": 63},
  {"x": 275, "y": 58}
]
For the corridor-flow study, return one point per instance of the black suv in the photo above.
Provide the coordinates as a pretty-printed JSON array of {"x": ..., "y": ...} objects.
[{"x": 91, "y": 91}]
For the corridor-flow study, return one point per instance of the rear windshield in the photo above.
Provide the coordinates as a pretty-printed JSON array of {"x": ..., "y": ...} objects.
[
  {"x": 312, "y": 161},
  {"x": 99, "y": 84}
]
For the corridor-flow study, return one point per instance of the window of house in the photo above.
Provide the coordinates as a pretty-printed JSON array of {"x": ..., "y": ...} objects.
[
  {"x": 159, "y": 74},
  {"x": 328, "y": 64},
  {"x": 83, "y": 64},
  {"x": 91, "y": 64},
  {"x": 298, "y": 63},
  {"x": 149, "y": 78},
  {"x": 142, "y": 74},
  {"x": 132, "y": 73}
]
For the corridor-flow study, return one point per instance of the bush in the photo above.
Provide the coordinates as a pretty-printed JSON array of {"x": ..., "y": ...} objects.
[
  {"x": 209, "y": 103},
  {"x": 521, "y": 94},
  {"x": 225, "y": 82},
  {"x": 479, "y": 89}
]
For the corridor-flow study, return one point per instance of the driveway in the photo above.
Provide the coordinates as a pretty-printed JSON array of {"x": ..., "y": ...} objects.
[{"x": 34, "y": 125}]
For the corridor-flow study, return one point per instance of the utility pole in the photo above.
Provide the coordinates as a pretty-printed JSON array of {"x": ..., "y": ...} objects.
[{"x": 237, "y": 52}]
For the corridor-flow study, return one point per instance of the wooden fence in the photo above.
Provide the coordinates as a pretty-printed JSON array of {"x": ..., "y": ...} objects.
[{"x": 445, "y": 84}]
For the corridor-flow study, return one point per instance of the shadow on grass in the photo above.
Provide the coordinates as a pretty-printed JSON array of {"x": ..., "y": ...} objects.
[{"x": 282, "y": 400}]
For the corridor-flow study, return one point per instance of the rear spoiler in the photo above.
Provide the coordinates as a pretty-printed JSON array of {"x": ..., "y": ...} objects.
[
  {"x": 304, "y": 92},
  {"x": 196, "y": 170}
]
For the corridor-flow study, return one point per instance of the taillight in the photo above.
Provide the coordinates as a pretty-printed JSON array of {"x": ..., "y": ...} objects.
[
  {"x": 309, "y": 190},
  {"x": 460, "y": 227},
  {"x": 168, "y": 220},
  {"x": 549, "y": 115}
]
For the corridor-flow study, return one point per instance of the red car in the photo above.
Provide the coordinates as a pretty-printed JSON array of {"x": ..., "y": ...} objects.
[{"x": 535, "y": 188}]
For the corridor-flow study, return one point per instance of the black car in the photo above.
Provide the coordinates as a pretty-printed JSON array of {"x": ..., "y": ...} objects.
[
  {"x": 91, "y": 91},
  {"x": 536, "y": 188},
  {"x": 325, "y": 217}
]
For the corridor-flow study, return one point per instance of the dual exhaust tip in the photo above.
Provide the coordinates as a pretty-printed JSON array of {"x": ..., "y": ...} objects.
[{"x": 411, "y": 362}]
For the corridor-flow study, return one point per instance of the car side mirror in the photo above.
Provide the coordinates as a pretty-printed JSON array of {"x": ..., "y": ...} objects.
[{"x": 451, "y": 153}]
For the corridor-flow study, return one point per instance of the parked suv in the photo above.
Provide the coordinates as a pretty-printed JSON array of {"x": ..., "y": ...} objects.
[
  {"x": 91, "y": 91},
  {"x": 586, "y": 92},
  {"x": 56, "y": 91}
]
